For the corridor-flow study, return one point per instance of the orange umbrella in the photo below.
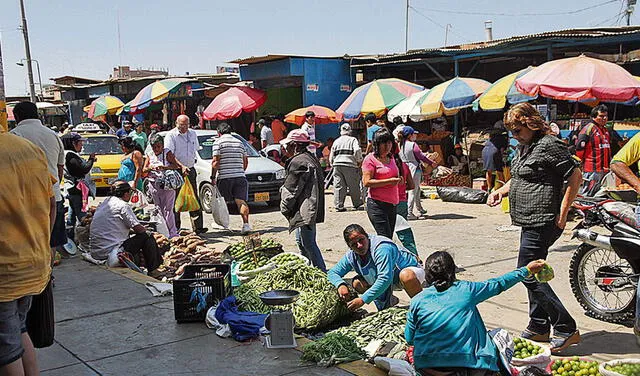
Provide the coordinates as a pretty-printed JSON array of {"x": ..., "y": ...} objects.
[{"x": 324, "y": 115}]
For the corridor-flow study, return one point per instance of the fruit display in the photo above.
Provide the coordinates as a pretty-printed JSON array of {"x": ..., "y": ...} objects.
[
  {"x": 139, "y": 212},
  {"x": 623, "y": 367},
  {"x": 574, "y": 367},
  {"x": 525, "y": 349},
  {"x": 288, "y": 258}
]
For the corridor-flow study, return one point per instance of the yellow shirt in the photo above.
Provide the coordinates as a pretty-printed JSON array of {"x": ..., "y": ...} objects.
[
  {"x": 630, "y": 152},
  {"x": 26, "y": 187}
]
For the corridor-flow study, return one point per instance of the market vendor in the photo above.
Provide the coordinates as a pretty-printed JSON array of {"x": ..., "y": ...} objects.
[
  {"x": 380, "y": 264},
  {"x": 110, "y": 228}
]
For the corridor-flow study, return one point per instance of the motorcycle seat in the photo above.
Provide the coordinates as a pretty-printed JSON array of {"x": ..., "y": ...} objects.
[{"x": 624, "y": 211}]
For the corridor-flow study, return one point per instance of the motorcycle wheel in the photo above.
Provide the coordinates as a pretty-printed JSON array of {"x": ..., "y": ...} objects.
[{"x": 589, "y": 262}]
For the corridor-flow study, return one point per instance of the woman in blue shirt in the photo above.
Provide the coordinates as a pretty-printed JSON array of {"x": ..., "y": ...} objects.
[{"x": 443, "y": 322}]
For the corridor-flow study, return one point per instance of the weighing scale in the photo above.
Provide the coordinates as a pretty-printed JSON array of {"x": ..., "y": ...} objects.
[{"x": 280, "y": 321}]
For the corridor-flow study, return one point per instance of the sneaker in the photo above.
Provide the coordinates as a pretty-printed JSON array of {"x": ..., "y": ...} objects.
[
  {"x": 340, "y": 210},
  {"x": 246, "y": 228},
  {"x": 359, "y": 208},
  {"x": 423, "y": 211},
  {"x": 536, "y": 337},
  {"x": 558, "y": 344}
]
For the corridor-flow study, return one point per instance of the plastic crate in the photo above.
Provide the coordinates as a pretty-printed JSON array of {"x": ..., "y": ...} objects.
[{"x": 212, "y": 280}]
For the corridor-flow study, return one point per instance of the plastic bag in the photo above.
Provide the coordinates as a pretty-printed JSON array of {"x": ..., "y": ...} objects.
[
  {"x": 161, "y": 224},
  {"x": 138, "y": 199},
  {"x": 395, "y": 367},
  {"x": 219, "y": 209},
  {"x": 504, "y": 343},
  {"x": 186, "y": 201},
  {"x": 222, "y": 330},
  {"x": 462, "y": 194}
]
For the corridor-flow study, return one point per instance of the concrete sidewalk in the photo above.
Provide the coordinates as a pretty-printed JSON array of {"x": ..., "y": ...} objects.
[{"x": 109, "y": 324}]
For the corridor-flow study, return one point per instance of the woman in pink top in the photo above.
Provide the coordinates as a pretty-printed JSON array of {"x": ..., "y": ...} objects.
[{"x": 380, "y": 174}]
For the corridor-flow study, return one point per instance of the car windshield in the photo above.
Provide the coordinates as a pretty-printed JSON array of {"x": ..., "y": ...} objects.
[
  {"x": 101, "y": 146},
  {"x": 206, "y": 142}
]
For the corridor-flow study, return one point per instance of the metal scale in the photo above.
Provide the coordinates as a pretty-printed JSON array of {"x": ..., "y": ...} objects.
[{"x": 280, "y": 322}]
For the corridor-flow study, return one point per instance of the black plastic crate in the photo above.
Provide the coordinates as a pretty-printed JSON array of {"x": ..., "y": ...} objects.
[{"x": 209, "y": 279}]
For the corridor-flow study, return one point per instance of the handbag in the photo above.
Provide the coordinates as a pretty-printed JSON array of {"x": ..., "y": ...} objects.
[
  {"x": 169, "y": 179},
  {"x": 40, "y": 319}
]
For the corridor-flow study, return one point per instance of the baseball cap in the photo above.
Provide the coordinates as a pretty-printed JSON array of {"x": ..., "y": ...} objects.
[
  {"x": 345, "y": 129},
  {"x": 408, "y": 130},
  {"x": 154, "y": 126},
  {"x": 73, "y": 136},
  {"x": 296, "y": 135}
]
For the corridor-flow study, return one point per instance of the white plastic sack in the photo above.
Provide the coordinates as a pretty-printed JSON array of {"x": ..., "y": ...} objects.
[
  {"x": 605, "y": 372},
  {"x": 161, "y": 224},
  {"x": 401, "y": 224},
  {"x": 540, "y": 360},
  {"x": 219, "y": 209},
  {"x": 222, "y": 330},
  {"x": 138, "y": 199},
  {"x": 395, "y": 367}
]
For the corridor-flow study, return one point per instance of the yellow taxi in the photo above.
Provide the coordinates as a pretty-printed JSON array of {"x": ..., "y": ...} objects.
[{"x": 108, "y": 156}]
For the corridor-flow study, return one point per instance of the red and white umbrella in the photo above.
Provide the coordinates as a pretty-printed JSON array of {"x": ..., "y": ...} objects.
[{"x": 234, "y": 102}]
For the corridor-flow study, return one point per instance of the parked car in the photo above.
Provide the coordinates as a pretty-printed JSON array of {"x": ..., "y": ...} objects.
[
  {"x": 264, "y": 175},
  {"x": 108, "y": 155}
]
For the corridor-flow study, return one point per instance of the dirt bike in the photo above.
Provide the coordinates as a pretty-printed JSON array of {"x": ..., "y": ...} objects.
[{"x": 604, "y": 269}]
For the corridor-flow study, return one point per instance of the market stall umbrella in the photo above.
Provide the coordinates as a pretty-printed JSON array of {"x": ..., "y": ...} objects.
[
  {"x": 408, "y": 108},
  {"x": 377, "y": 96},
  {"x": 324, "y": 115},
  {"x": 502, "y": 91},
  {"x": 451, "y": 96},
  {"x": 580, "y": 78},
  {"x": 103, "y": 105},
  {"x": 154, "y": 92},
  {"x": 233, "y": 102}
]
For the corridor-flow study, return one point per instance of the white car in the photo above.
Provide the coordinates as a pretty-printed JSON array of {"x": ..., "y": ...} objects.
[{"x": 264, "y": 175}]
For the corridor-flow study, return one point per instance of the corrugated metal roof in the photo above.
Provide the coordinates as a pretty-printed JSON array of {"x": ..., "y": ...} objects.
[
  {"x": 579, "y": 33},
  {"x": 274, "y": 57}
]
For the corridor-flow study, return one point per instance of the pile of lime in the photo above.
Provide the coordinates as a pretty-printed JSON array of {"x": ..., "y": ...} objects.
[
  {"x": 626, "y": 369},
  {"x": 525, "y": 349},
  {"x": 574, "y": 367}
]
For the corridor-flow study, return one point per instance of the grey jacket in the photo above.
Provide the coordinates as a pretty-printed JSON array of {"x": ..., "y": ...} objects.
[{"x": 302, "y": 194}]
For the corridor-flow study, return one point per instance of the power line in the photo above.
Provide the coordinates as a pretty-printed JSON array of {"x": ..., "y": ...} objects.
[
  {"x": 438, "y": 24},
  {"x": 517, "y": 14}
]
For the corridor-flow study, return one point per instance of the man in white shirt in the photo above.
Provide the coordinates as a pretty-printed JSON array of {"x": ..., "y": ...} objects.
[
  {"x": 346, "y": 157},
  {"x": 309, "y": 126},
  {"x": 110, "y": 227},
  {"x": 30, "y": 127},
  {"x": 266, "y": 134},
  {"x": 183, "y": 143}
]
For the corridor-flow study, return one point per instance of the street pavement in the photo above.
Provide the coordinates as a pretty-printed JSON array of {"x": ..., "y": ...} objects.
[{"x": 109, "y": 324}]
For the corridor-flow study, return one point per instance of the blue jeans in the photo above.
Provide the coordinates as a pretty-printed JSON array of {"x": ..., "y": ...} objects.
[
  {"x": 75, "y": 214},
  {"x": 545, "y": 308},
  {"x": 306, "y": 240}
]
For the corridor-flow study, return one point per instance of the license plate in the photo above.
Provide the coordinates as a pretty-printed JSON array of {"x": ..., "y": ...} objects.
[
  {"x": 111, "y": 180},
  {"x": 261, "y": 197}
]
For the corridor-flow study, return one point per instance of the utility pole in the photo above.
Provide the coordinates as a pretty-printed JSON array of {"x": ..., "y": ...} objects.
[
  {"x": 27, "y": 51},
  {"x": 446, "y": 34},
  {"x": 406, "y": 29},
  {"x": 630, "y": 8},
  {"x": 3, "y": 104}
]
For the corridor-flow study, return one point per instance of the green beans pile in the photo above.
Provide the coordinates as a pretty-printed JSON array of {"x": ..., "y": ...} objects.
[
  {"x": 317, "y": 306},
  {"x": 387, "y": 325},
  {"x": 332, "y": 349},
  {"x": 286, "y": 258}
]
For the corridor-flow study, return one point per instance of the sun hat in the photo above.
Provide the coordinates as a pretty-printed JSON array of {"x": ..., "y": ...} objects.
[
  {"x": 296, "y": 135},
  {"x": 345, "y": 129}
]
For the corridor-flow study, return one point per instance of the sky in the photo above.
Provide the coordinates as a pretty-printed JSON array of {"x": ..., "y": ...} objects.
[{"x": 80, "y": 38}]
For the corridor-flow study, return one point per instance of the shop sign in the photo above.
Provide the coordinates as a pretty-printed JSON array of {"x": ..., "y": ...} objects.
[
  {"x": 313, "y": 87},
  {"x": 346, "y": 88},
  {"x": 235, "y": 70}
]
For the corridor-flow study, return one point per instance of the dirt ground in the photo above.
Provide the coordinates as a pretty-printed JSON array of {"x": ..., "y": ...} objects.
[{"x": 470, "y": 233}]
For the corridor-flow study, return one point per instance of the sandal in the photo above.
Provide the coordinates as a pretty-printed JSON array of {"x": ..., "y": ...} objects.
[{"x": 558, "y": 344}]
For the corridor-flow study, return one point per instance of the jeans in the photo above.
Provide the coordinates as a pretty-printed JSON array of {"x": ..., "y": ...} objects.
[
  {"x": 406, "y": 235},
  {"x": 306, "y": 240},
  {"x": 196, "y": 216},
  {"x": 144, "y": 244},
  {"x": 545, "y": 308},
  {"x": 382, "y": 216},
  {"x": 75, "y": 214}
]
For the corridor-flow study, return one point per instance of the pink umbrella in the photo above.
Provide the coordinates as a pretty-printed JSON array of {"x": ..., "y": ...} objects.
[
  {"x": 233, "y": 102},
  {"x": 580, "y": 78}
]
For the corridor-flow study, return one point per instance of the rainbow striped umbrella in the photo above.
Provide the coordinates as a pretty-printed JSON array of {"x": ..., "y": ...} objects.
[
  {"x": 451, "y": 96},
  {"x": 154, "y": 92},
  {"x": 377, "y": 96},
  {"x": 502, "y": 91},
  {"x": 103, "y": 105}
]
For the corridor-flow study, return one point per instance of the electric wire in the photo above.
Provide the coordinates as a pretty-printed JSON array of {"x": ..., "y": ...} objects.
[{"x": 516, "y": 14}]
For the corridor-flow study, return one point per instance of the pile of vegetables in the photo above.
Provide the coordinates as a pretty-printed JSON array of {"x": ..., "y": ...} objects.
[
  {"x": 332, "y": 349},
  {"x": 575, "y": 366},
  {"x": 317, "y": 306},
  {"x": 387, "y": 325},
  {"x": 140, "y": 214},
  {"x": 184, "y": 250},
  {"x": 525, "y": 349},
  {"x": 626, "y": 369},
  {"x": 286, "y": 259},
  {"x": 256, "y": 258}
]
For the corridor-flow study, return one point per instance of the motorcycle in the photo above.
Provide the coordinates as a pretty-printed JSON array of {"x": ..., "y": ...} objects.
[{"x": 603, "y": 272}]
